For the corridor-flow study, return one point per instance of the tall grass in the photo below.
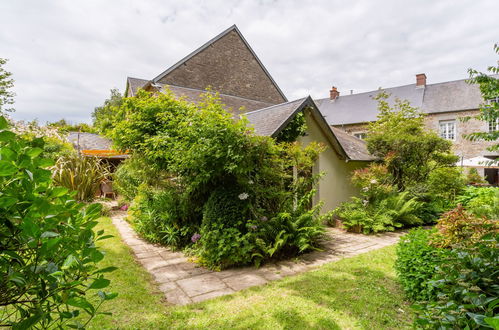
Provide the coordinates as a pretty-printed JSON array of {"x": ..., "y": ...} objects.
[{"x": 81, "y": 174}]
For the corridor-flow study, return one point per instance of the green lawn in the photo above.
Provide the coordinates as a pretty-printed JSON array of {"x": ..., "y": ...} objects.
[{"x": 354, "y": 293}]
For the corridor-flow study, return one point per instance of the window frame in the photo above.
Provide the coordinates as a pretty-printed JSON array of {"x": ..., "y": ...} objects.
[{"x": 443, "y": 129}]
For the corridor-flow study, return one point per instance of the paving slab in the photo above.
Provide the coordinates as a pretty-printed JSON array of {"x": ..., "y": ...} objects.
[
  {"x": 201, "y": 284},
  {"x": 183, "y": 282}
]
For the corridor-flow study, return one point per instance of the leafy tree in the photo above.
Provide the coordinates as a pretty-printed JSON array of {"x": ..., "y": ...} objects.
[
  {"x": 48, "y": 256},
  {"x": 409, "y": 150},
  {"x": 107, "y": 116},
  {"x": 64, "y": 126},
  {"x": 489, "y": 111},
  {"x": 6, "y": 83}
]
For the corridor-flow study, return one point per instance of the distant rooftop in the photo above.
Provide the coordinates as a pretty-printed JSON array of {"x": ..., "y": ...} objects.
[{"x": 431, "y": 98}]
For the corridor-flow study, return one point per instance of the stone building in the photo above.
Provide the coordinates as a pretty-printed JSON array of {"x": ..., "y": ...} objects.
[
  {"x": 229, "y": 66},
  {"x": 444, "y": 103}
]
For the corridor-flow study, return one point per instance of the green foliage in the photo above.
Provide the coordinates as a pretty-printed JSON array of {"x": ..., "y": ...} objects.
[
  {"x": 446, "y": 183},
  {"x": 489, "y": 111},
  {"x": 473, "y": 177},
  {"x": 294, "y": 129},
  {"x": 481, "y": 201},
  {"x": 225, "y": 240},
  {"x": 64, "y": 126},
  {"x": 108, "y": 115},
  {"x": 467, "y": 289},
  {"x": 6, "y": 83},
  {"x": 160, "y": 215},
  {"x": 218, "y": 179},
  {"x": 461, "y": 227},
  {"x": 48, "y": 258},
  {"x": 81, "y": 174},
  {"x": 417, "y": 262},
  {"x": 408, "y": 149},
  {"x": 386, "y": 214},
  {"x": 134, "y": 172}
]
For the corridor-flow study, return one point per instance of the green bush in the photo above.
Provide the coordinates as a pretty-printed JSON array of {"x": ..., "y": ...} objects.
[
  {"x": 224, "y": 243},
  {"x": 81, "y": 174},
  {"x": 226, "y": 206},
  {"x": 481, "y": 201},
  {"x": 473, "y": 177},
  {"x": 447, "y": 183},
  {"x": 48, "y": 256},
  {"x": 387, "y": 214},
  {"x": 467, "y": 287},
  {"x": 160, "y": 215},
  {"x": 133, "y": 172},
  {"x": 417, "y": 262},
  {"x": 205, "y": 178}
]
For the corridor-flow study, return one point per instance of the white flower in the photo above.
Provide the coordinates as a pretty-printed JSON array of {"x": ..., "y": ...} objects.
[
  {"x": 365, "y": 189},
  {"x": 364, "y": 202},
  {"x": 243, "y": 196},
  {"x": 250, "y": 182},
  {"x": 373, "y": 181}
]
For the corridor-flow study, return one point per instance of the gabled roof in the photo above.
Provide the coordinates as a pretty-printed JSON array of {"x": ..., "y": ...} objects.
[
  {"x": 134, "y": 84},
  {"x": 442, "y": 97},
  {"x": 210, "y": 42},
  {"x": 271, "y": 120}
]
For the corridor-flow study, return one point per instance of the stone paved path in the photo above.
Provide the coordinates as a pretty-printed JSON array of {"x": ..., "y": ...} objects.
[{"x": 184, "y": 282}]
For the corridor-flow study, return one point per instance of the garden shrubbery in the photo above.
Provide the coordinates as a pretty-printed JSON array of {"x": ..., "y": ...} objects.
[
  {"x": 198, "y": 178},
  {"x": 49, "y": 261},
  {"x": 414, "y": 181},
  {"x": 451, "y": 273}
]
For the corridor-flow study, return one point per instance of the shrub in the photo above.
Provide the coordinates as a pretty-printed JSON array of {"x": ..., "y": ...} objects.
[
  {"x": 205, "y": 177},
  {"x": 225, "y": 243},
  {"x": 461, "y": 227},
  {"x": 161, "y": 215},
  {"x": 446, "y": 183},
  {"x": 133, "y": 172},
  {"x": 416, "y": 264},
  {"x": 81, "y": 174},
  {"x": 386, "y": 214},
  {"x": 48, "y": 257},
  {"x": 473, "y": 177},
  {"x": 481, "y": 201},
  {"x": 467, "y": 289}
]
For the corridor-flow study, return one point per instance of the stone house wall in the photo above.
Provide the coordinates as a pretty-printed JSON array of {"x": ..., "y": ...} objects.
[
  {"x": 461, "y": 146},
  {"x": 229, "y": 67}
]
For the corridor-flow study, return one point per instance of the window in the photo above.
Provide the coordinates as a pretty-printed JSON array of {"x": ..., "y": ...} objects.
[
  {"x": 361, "y": 136},
  {"x": 494, "y": 125},
  {"x": 448, "y": 129}
]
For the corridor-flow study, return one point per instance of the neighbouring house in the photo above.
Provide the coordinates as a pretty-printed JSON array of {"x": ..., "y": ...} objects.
[
  {"x": 445, "y": 104},
  {"x": 229, "y": 66}
]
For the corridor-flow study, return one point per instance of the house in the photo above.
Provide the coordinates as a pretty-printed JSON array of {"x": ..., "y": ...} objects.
[
  {"x": 228, "y": 65},
  {"x": 445, "y": 104}
]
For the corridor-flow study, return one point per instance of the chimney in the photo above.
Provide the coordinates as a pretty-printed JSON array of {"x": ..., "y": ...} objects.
[
  {"x": 420, "y": 80},
  {"x": 333, "y": 93}
]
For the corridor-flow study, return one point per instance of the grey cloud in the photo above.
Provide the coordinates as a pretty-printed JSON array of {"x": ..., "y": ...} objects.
[{"x": 67, "y": 55}]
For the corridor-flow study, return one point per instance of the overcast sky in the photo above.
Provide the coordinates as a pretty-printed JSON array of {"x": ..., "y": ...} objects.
[{"x": 66, "y": 55}]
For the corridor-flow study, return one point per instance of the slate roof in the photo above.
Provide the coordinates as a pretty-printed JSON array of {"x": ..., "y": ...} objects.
[
  {"x": 271, "y": 120},
  {"x": 235, "y": 104},
  {"x": 434, "y": 98},
  {"x": 89, "y": 141},
  {"x": 134, "y": 84}
]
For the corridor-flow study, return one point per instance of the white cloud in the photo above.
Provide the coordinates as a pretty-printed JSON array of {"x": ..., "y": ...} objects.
[{"x": 67, "y": 55}]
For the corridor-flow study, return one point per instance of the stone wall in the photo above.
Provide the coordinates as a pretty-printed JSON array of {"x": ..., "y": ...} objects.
[
  {"x": 230, "y": 68},
  {"x": 461, "y": 146}
]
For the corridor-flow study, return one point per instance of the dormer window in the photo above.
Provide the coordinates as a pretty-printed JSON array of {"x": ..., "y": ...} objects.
[{"x": 448, "y": 129}]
